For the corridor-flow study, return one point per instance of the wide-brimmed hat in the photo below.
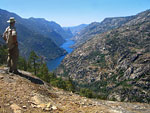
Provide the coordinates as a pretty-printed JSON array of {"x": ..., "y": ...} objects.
[{"x": 11, "y": 20}]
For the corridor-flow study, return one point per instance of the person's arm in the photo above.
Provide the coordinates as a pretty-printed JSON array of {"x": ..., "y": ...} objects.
[
  {"x": 4, "y": 35},
  {"x": 15, "y": 39}
]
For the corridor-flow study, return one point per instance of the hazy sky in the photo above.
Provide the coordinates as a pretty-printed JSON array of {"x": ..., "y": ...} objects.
[{"x": 74, "y": 12}]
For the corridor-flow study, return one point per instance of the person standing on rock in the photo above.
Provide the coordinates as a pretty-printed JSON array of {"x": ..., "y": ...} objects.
[{"x": 10, "y": 37}]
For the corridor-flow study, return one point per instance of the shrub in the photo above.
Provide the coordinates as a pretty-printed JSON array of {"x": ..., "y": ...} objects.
[{"x": 86, "y": 92}]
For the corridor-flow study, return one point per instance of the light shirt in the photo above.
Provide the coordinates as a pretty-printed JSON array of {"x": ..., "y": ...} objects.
[{"x": 9, "y": 33}]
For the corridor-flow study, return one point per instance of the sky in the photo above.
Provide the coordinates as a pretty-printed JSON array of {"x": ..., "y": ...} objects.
[{"x": 74, "y": 12}]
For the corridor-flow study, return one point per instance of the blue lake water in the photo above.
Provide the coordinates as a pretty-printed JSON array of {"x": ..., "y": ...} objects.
[{"x": 53, "y": 64}]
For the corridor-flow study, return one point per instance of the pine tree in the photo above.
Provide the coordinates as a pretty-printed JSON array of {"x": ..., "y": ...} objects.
[
  {"x": 22, "y": 64},
  {"x": 33, "y": 62},
  {"x": 3, "y": 54},
  {"x": 44, "y": 73}
]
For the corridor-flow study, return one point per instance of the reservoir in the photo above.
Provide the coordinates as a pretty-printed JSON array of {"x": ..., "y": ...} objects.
[{"x": 53, "y": 64}]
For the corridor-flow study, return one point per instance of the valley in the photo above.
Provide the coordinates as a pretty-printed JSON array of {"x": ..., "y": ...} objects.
[
  {"x": 109, "y": 58},
  {"x": 114, "y": 64},
  {"x": 75, "y": 56},
  {"x": 53, "y": 64}
]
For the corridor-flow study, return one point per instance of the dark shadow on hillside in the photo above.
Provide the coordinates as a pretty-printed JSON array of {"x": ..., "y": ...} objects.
[{"x": 32, "y": 79}]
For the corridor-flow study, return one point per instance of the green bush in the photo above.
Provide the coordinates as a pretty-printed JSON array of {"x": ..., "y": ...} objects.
[
  {"x": 86, "y": 92},
  {"x": 63, "y": 84},
  {"x": 3, "y": 55}
]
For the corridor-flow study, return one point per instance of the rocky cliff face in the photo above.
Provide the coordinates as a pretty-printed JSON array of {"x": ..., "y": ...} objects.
[
  {"x": 26, "y": 93},
  {"x": 115, "y": 64},
  {"x": 100, "y": 27}
]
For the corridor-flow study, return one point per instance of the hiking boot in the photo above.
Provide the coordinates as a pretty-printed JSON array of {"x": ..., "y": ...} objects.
[
  {"x": 10, "y": 71},
  {"x": 7, "y": 69}
]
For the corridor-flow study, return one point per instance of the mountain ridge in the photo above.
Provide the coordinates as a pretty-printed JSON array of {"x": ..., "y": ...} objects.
[
  {"x": 100, "y": 27},
  {"x": 76, "y": 29},
  {"x": 114, "y": 64}
]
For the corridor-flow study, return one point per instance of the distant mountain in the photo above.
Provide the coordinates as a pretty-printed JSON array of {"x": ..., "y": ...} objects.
[
  {"x": 69, "y": 32},
  {"x": 76, "y": 29},
  {"x": 33, "y": 34},
  {"x": 114, "y": 64},
  {"x": 57, "y": 28},
  {"x": 99, "y": 27},
  {"x": 46, "y": 28}
]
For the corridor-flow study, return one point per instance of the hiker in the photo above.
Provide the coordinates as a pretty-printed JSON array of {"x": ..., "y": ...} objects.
[{"x": 10, "y": 37}]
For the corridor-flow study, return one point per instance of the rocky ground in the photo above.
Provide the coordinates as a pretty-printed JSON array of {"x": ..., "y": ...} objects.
[{"x": 26, "y": 93}]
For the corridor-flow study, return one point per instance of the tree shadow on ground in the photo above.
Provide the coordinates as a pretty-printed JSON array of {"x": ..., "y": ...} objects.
[{"x": 32, "y": 79}]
